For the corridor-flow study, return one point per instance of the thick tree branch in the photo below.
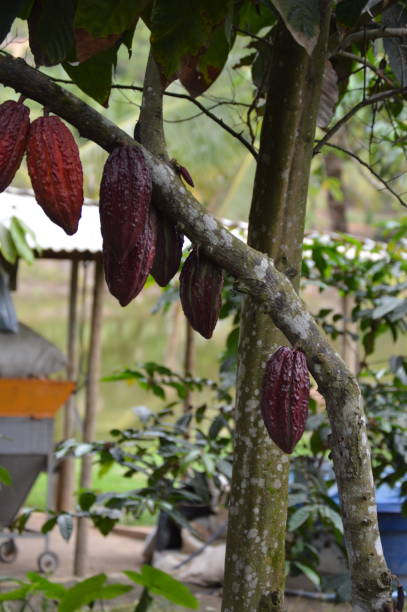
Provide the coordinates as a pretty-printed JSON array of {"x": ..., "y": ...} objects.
[
  {"x": 380, "y": 97},
  {"x": 371, "y": 34},
  {"x": 272, "y": 290}
]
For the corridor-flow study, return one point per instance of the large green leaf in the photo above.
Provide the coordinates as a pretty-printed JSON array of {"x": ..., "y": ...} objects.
[
  {"x": 182, "y": 30},
  {"x": 103, "y": 17},
  {"x": 302, "y": 20},
  {"x": 82, "y": 593},
  {"x": 9, "y": 11},
  {"x": 348, "y": 12},
  {"x": 163, "y": 584},
  {"x": 252, "y": 18},
  {"x": 50, "y": 27},
  {"x": 94, "y": 76},
  {"x": 198, "y": 72},
  {"x": 5, "y": 477}
]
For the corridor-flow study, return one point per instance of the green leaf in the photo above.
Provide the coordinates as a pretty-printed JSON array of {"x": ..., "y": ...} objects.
[
  {"x": 65, "y": 525},
  {"x": 5, "y": 477},
  {"x": 299, "y": 517},
  {"x": 114, "y": 590},
  {"x": 103, "y": 17},
  {"x": 94, "y": 76},
  {"x": 302, "y": 20},
  {"x": 182, "y": 31},
  {"x": 332, "y": 516},
  {"x": 87, "y": 499},
  {"x": 19, "y": 593},
  {"x": 20, "y": 241},
  {"x": 82, "y": 593},
  {"x": 252, "y": 20},
  {"x": 348, "y": 12},
  {"x": 163, "y": 584},
  {"x": 50, "y": 589},
  {"x": 7, "y": 248},
  {"x": 49, "y": 524},
  {"x": 50, "y": 27},
  {"x": 309, "y": 572},
  {"x": 198, "y": 72},
  {"x": 9, "y": 11}
]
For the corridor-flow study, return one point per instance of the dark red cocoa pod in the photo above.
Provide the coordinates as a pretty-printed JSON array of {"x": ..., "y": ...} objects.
[
  {"x": 55, "y": 171},
  {"x": 14, "y": 128},
  {"x": 168, "y": 251},
  {"x": 201, "y": 283},
  {"x": 125, "y": 200},
  {"x": 285, "y": 396},
  {"x": 126, "y": 278}
]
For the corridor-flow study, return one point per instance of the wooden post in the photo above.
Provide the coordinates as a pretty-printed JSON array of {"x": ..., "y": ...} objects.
[
  {"x": 188, "y": 360},
  {"x": 66, "y": 480},
  {"x": 92, "y": 388}
]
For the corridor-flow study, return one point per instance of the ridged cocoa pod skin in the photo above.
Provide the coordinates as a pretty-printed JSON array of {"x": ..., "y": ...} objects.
[
  {"x": 55, "y": 171},
  {"x": 285, "y": 396},
  {"x": 168, "y": 250},
  {"x": 14, "y": 128},
  {"x": 201, "y": 283},
  {"x": 126, "y": 279},
  {"x": 125, "y": 200}
]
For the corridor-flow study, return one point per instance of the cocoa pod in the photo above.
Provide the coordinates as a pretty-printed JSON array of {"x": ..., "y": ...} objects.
[
  {"x": 285, "y": 396},
  {"x": 168, "y": 250},
  {"x": 125, "y": 198},
  {"x": 14, "y": 127},
  {"x": 201, "y": 283},
  {"x": 55, "y": 171},
  {"x": 126, "y": 278}
]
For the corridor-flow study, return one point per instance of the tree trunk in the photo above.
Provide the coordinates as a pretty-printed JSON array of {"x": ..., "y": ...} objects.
[{"x": 255, "y": 553}]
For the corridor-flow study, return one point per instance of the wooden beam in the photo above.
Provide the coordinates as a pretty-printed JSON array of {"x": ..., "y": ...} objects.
[
  {"x": 66, "y": 480},
  {"x": 92, "y": 392}
]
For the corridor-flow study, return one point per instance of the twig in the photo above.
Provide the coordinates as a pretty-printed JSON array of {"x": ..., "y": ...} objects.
[
  {"x": 372, "y": 67},
  {"x": 247, "y": 33},
  {"x": 384, "y": 95},
  {"x": 369, "y": 167},
  {"x": 203, "y": 109}
]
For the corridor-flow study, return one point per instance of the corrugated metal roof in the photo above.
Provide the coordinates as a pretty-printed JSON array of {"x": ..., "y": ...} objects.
[{"x": 50, "y": 237}]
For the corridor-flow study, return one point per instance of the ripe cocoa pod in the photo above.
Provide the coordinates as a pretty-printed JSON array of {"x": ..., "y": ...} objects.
[
  {"x": 14, "y": 127},
  {"x": 126, "y": 278},
  {"x": 55, "y": 171},
  {"x": 285, "y": 395},
  {"x": 201, "y": 283},
  {"x": 168, "y": 250},
  {"x": 125, "y": 198}
]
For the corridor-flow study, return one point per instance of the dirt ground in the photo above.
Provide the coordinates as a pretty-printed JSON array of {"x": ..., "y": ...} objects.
[{"x": 119, "y": 551}]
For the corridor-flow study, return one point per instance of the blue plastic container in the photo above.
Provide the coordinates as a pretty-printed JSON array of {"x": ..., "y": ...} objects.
[{"x": 393, "y": 530}]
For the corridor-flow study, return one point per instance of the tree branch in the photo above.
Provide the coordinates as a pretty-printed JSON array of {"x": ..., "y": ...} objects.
[
  {"x": 202, "y": 108},
  {"x": 369, "y": 167},
  {"x": 384, "y": 95},
  {"x": 274, "y": 292},
  {"x": 371, "y": 34}
]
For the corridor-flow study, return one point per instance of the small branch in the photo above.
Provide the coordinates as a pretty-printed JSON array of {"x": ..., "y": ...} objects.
[
  {"x": 258, "y": 38},
  {"x": 366, "y": 102},
  {"x": 202, "y": 108},
  {"x": 371, "y": 34},
  {"x": 369, "y": 167},
  {"x": 372, "y": 67}
]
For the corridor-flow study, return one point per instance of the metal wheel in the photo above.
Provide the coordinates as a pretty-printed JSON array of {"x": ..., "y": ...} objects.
[
  {"x": 8, "y": 551},
  {"x": 47, "y": 562}
]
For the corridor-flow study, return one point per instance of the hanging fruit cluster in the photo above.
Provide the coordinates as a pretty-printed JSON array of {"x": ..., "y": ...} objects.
[
  {"x": 285, "y": 397},
  {"x": 53, "y": 162},
  {"x": 138, "y": 239}
]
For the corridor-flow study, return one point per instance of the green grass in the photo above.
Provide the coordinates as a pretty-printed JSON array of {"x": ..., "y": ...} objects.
[{"x": 111, "y": 481}]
